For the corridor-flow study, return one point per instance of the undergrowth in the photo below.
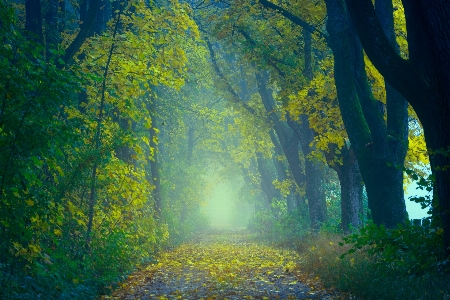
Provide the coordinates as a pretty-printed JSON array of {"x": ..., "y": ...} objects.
[{"x": 402, "y": 263}]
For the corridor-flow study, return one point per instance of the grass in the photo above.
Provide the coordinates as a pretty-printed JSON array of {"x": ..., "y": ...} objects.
[{"x": 363, "y": 276}]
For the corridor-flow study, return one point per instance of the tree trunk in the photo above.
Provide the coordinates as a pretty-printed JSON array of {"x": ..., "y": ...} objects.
[
  {"x": 51, "y": 27},
  {"x": 314, "y": 174},
  {"x": 266, "y": 180},
  {"x": 437, "y": 131},
  {"x": 315, "y": 193},
  {"x": 351, "y": 190},
  {"x": 379, "y": 163},
  {"x": 422, "y": 79},
  {"x": 281, "y": 170},
  {"x": 314, "y": 170},
  {"x": 287, "y": 138},
  {"x": 93, "y": 196},
  {"x": 33, "y": 19}
]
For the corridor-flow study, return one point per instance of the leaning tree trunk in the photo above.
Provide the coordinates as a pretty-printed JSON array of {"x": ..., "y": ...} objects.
[
  {"x": 282, "y": 170},
  {"x": 314, "y": 170},
  {"x": 289, "y": 142},
  {"x": 266, "y": 180}
]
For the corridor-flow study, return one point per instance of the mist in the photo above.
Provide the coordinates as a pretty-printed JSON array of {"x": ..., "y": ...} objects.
[{"x": 225, "y": 206}]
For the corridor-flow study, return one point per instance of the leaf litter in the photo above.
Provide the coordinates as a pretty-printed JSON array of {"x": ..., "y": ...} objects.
[{"x": 223, "y": 266}]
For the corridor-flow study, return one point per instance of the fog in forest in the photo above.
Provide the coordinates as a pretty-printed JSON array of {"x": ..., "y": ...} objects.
[
  {"x": 226, "y": 149},
  {"x": 224, "y": 207}
]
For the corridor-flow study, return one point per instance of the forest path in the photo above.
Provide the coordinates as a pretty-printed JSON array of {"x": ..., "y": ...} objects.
[{"x": 222, "y": 265}]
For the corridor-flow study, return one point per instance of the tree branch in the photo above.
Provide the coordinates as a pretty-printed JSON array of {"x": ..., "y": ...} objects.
[
  {"x": 399, "y": 72},
  {"x": 270, "y": 59},
  {"x": 85, "y": 28},
  {"x": 230, "y": 89},
  {"x": 296, "y": 20}
]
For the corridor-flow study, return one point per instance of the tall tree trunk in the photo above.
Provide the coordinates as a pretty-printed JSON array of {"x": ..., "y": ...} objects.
[
  {"x": 380, "y": 165},
  {"x": 281, "y": 170},
  {"x": 314, "y": 174},
  {"x": 351, "y": 190},
  {"x": 314, "y": 170},
  {"x": 422, "y": 79},
  {"x": 437, "y": 134},
  {"x": 266, "y": 180},
  {"x": 88, "y": 14},
  {"x": 51, "y": 27},
  {"x": 382, "y": 169},
  {"x": 93, "y": 195},
  {"x": 33, "y": 19},
  {"x": 288, "y": 140}
]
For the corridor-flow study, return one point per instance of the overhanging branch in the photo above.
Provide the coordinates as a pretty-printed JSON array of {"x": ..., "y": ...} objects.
[
  {"x": 397, "y": 71},
  {"x": 230, "y": 89},
  {"x": 296, "y": 20},
  {"x": 85, "y": 28}
]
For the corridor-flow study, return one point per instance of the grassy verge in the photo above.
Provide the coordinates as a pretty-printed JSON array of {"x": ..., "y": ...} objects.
[{"x": 367, "y": 276}]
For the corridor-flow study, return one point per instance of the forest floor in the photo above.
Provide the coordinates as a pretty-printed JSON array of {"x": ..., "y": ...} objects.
[{"x": 224, "y": 265}]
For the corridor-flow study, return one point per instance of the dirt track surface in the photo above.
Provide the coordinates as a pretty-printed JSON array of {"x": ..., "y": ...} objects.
[{"x": 221, "y": 266}]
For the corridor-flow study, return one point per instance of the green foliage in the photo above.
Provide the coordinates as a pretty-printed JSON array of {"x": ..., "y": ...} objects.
[
  {"x": 49, "y": 120},
  {"x": 398, "y": 250},
  {"x": 284, "y": 226},
  {"x": 367, "y": 276},
  {"x": 424, "y": 184}
]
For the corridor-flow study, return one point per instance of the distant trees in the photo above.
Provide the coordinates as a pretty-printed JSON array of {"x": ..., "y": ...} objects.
[{"x": 375, "y": 113}]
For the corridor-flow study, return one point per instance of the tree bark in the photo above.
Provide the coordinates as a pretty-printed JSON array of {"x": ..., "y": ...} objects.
[
  {"x": 85, "y": 30},
  {"x": 33, "y": 19},
  {"x": 287, "y": 138},
  {"x": 51, "y": 28},
  {"x": 282, "y": 170},
  {"x": 314, "y": 174},
  {"x": 266, "y": 180},
  {"x": 93, "y": 196},
  {"x": 380, "y": 165},
  {"x": 314, "y": 170},
  {"x": 422, "y": 80},
  {"x": 351, "y": 190},
  {"x": 437, "y": 25}
]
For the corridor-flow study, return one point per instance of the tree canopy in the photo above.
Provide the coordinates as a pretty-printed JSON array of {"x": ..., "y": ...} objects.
[{"x": 118, "y": 119}]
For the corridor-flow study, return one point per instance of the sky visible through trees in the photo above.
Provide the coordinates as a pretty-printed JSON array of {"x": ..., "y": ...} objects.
[{"x": 242, "y": 149}]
